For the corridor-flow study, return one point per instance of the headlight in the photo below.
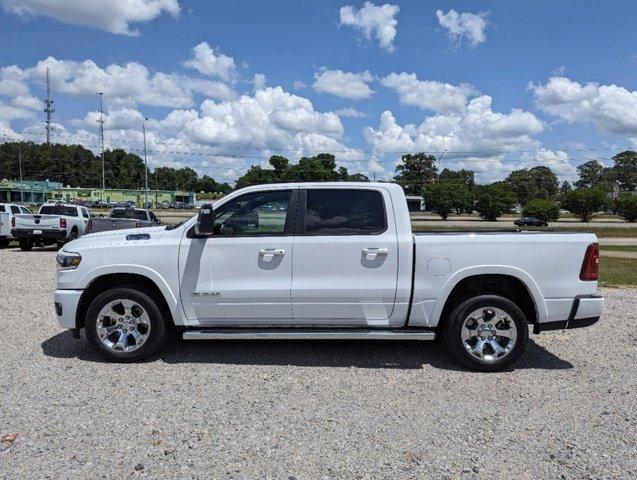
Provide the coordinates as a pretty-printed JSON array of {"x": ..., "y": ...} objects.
[{"x": 68, "y": 260}]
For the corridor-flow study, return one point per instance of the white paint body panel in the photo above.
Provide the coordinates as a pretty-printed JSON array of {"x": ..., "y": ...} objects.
[{"x": 326, "y": 280}]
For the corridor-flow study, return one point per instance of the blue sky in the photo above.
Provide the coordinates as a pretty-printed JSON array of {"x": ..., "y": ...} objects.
[{"x": 498, "y": 85}]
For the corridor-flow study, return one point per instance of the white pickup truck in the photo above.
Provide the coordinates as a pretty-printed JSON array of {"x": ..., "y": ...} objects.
[
  {"x": 324, "y": 261},
  {"x": 54, "y": 223},
  {"x": 7, "y": 211}
]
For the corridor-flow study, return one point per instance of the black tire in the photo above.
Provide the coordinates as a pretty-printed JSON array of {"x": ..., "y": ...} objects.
[
  {"x": 157, "y": 333},
  {"x": 4, "y": 243},
  {"x": 26, "y": 244},
  {"x": 452, "y": 329}
]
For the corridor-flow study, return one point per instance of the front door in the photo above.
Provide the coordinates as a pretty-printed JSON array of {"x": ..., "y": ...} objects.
[
  {"x": 345, "y": 258},
  {"x": 242, "y": 275}
]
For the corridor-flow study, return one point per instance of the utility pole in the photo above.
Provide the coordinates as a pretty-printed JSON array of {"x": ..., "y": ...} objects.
[
  {"x": 440, "y": 158},
  {"x": 101, "y": 128},
  {"x": 145, "y": 165},
  {"x": 48, "y": 109},
  {"x": 20, "y": 167}
]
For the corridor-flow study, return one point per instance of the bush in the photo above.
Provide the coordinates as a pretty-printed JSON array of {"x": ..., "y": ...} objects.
[
  {"x": 627, "y": 207},
  {"x": 545, "y": 210},
  {"x": 494, "y": 200},
  {"x": 444, "y": 198},
  {"x": 585, "y": 202}
]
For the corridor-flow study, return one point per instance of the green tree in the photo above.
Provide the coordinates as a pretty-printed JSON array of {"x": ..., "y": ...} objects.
[
  {"x": 625, "y": 170},
  {"x": 529, "y": 184},
  {"x": 593, "y": 174},
  {"x": 545, "y": 181},
  {"x": 415, "y": 171},
  {"x": 627, "y": 207},
  {"x": 585, "y": 202},
  {"x": 462, "y": 176},
  {"x": 493, "y": 200},
  {"x": 546, "y": 210},
  {"x": 444, "y": 198}
]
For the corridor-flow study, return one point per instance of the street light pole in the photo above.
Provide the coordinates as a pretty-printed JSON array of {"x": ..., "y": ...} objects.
[
  {"x": 145, "y": 165},
  {"x": 101, "y": 123},
  {"x": 21, "y": 185},
  {"x": 440, "y": 158}
]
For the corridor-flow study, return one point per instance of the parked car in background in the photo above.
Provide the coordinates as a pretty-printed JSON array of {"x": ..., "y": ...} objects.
[
  {"x": 54, "y": 223},
  {"x": 530, "y": 222},
  {"x": 325, "y": 261},
  {"x": 123, "y": 218},
  {"x": 7, "y": 211}
]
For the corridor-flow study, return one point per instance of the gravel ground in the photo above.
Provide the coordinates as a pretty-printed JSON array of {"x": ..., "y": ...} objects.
[{"x": 307, "y": 410}]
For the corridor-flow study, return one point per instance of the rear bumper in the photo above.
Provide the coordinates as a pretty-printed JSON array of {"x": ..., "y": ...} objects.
[
  {"x": 66, "y": 302},
  {"x": 50, "y": 234},
  {"x": 585, "y": 311}
]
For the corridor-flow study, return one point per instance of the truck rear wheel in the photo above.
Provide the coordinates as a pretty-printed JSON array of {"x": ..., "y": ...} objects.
[
  {"x": 26, "y": 244},
  {"x": 125, "y": 324},
  {"x": 486, "y": 332}
]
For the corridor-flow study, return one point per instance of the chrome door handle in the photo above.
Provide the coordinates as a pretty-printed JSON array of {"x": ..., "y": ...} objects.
[
  {"x": 373, "y": 253},
  {"x": 273, "y": 252}
]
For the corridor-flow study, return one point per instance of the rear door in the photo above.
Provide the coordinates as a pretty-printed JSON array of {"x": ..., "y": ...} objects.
[{"x": 345, "y": 258}]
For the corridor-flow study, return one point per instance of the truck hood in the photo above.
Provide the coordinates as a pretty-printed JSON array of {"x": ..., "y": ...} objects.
[{"x": 115, "y": 237}]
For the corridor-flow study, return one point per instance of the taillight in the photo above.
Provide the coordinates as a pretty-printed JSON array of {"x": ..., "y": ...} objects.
[
  {"x": 62, "y": 222},
  {"x": 138, "y": 224},
  {"x": 590, "y": 265},
  {"x": 89, "y": 225},
  {"x": 12, "y": 222}
]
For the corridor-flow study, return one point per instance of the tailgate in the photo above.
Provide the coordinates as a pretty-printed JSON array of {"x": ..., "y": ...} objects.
[
  {"x": 105, "y": 224},
  {"x": 38, "y": 222},
  {"x": 5, "y": 225}
]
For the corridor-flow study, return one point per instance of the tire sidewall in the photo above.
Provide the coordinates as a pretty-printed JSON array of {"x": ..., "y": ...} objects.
[
  {"x": 453, "y": 328},
  {"x": 157, "y": 334}
]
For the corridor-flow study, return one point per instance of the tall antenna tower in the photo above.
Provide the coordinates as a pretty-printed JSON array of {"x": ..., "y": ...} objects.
[
  {"x": 101, "y": 131},
  {"x": 49, "y": 107}
]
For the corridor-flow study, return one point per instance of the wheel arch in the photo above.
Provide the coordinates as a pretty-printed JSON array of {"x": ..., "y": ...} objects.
[
  {"x": 107, "y": 281},
  {"x": 509, "y": 282}
]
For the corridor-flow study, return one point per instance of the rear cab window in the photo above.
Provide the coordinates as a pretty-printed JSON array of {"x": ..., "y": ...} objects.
[
  {"x": 62, "y": 210},
  {"x": 343, "y": 212},
  {"x": 15, "y": 210}
]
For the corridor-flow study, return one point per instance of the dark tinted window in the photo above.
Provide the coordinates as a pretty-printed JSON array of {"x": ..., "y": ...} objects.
[
  {"x": 344, "y": 212},
  {"x": 15, "y": 210},
  {"x": 58, "y": 210},
  {"x": 2, "y": 210}
]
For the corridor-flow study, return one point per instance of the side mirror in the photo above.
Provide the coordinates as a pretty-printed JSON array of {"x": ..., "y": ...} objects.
[{"x": 205, "y": 221}]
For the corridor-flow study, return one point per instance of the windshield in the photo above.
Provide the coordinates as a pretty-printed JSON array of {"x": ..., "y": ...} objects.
[
  {"x": 58, "y": 210},
  {"x": 123, "y": 213}
]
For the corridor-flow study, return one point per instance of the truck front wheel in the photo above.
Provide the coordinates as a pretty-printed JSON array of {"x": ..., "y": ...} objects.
[
  {"x": 486, "y": 332},
  {"x": 125, "y": 324}
]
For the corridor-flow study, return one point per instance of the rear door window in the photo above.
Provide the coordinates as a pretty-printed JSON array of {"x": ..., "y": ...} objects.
[
  {"x": 15, "y": 210},
  {"x": 344, "y": 212}
]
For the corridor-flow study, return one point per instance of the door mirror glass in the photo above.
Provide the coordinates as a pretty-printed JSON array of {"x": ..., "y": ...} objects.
[{"x": 205, "y": 221}]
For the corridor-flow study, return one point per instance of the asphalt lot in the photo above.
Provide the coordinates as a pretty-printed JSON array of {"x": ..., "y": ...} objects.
[{"x": 308, "y": 410}]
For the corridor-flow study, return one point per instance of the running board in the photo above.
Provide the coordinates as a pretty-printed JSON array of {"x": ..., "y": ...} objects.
[{"x": 308, "y": 334}]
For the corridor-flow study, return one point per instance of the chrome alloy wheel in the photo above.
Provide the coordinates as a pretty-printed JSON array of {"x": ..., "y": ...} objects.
[
  {"x": 489, "y": 334},
  {"x": 123, "y": 325}
]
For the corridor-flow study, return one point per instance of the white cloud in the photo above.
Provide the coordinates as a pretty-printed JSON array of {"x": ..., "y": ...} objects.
[
  {"x": 557, "y": 160},
  {"x": 611, "y": 108},
  {"x": 429, "y": 94},
  {"x": 206, "y": 62},
  {"x": 352, "y": 86},
  {"x": 464, "y": 25},
  {"x": 478, "y": 138},
  {"x": 128, "y": 84},
  {"x": 373, "y": 20},
  {"x": 350, "y": 112},
  {"x": 114, "y": 16},
  {"x": 298, "y": 85},
  {"x": 258, "y": 81}
]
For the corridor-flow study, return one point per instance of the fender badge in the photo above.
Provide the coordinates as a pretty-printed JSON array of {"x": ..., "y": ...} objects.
[{"x": 138, "y": 236}]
